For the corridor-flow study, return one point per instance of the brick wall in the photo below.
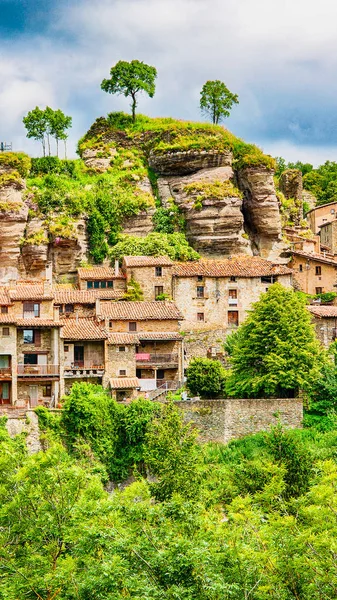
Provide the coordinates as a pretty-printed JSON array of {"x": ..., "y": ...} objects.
[{"x": 223, "y": 420}]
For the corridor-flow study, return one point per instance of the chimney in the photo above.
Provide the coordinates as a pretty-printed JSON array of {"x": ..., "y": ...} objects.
[
  {"x": 56, "y": 314},
  {"x": 49, "y": 273},
  {"x": 98, "y": 308},
  {"x": 47, "y": 288},
  {"x": 116, "y": 267}
]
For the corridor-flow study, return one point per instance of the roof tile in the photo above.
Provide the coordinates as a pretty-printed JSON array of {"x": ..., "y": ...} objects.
[
  {"x": 147, "y": 261},
  {"x": 124, "y": 383},
  {"x": 86, "y": 296},
  {"x": 160, "y": 335},
  {"x": 140, "y": 311},
  {"x": 323, "y": 311},
  {"x": 123, "y": 338},
  {"x": 92, "y": 273},
  {"x": 317, "y": 257},
  {"x": 232, "y": 267},
  {"x": 82, "y": 329}
]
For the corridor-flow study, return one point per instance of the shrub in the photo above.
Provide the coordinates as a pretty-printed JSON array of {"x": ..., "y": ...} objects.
[{"x": 206, "y": 378}]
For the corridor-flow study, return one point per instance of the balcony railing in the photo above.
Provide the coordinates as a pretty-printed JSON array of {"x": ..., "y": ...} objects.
[
  {"x": 233, "y": 301},
  {"x": 156, "y": 359},
  {"x": 80, "y": 369},
  {"x": 5, "y": 372},
  {"x": 30, "y": 314},
  {"x": 38, "y": 370}
]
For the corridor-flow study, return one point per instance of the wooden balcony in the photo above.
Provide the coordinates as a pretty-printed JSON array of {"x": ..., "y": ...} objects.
[
  {"x": 35, "y": 371},
  {"x": 145, "y": 358},
  {"x": 5, "y": 373}
]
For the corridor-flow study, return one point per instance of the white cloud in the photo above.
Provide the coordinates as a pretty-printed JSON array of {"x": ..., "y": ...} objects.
[{"x": 279, "y": 56}]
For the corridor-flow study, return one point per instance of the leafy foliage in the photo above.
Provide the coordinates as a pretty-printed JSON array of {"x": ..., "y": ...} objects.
[
  {"x": 134, "y": 291},
  {"x": 130, "y": 78},
  {"x": 206, "y": 378},
  {"x": 216, "y": 100},
  {"x": 276, "y": 352},
  {"x": 173, "y": 245},
  {"x": 41, "y": 124}
]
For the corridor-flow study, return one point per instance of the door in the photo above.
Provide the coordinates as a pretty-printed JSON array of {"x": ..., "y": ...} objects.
[
  {"x": 79, "y": 356},
  {"x": 4, "y": 392},
  {"x": 233, "y": 317},
  {"x": 33, "y": 395}
]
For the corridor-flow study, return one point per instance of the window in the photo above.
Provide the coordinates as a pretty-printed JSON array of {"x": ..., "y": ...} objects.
[
  {"x": 4, "y": 390},
  {"x": 30, "y": 359},
  {"x": 232, "y": 278},
  {"x": 233, "y": 317},
  {"x": 5, "y": 331},
  {"x": 160, "y": 374},
  {"x": 268, "y": 279},
  {"x": 46, "y": 391},
  {"x": 158, "y": 290},
  {"x": 318, "y": 270},
  {"x": 319, "y": 290},
  {"x": 122, "y": 372},
  {"x": 200, "y": 316},
  {"x": 66, "y": 348},
  {"x": 110, "y": 284},
  {"x": 103, "y": 284},
  {"x": 300, "y": 268},
  {"x": 200, "y": 291},
  {"x": 121, "y": 348},
  {"x": 28, "y": 336},
  {"x": 31, "y": 309},
  {"x": 4, "y": 310},
  {"x": 111, "y": 324},
  {"x": 90, "y": 285},
  {"x": 200, "y": 277},
  {"x": 69, "y": 308},
  {"x": 159, "y": 271},
  {"x": 96, "y": 285},
  {"x": 233, "y": 294},
  {"x": 132, "y": 326},
  {"x": 332, "y": 211}
]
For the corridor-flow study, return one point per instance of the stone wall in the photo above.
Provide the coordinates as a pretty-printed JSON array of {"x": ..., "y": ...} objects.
[
  {"x": 28, "y": 425},
  {"x": 148, "y": 280},
  {"x": 223, "y": 420}
]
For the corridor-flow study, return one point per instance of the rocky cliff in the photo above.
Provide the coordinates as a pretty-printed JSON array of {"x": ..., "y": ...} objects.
[{"x": 219, "y": 189}]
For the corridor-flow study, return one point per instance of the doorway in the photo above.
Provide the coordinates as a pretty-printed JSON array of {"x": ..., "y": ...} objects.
[
  {"x": 79, "y": 356},
  {"x": 33, "y": 395}
]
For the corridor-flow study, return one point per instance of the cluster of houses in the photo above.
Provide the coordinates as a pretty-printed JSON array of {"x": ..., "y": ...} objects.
[{"x": 53, "y": 335}]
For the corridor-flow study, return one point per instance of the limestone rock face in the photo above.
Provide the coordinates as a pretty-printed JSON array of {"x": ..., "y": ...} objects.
[
  {"x": 214, "y": 226},
  {"x": 35, "y": 256},
  {"x": 309, "y": 198},
  {"x": 93, "y": 160},
  {"x": 139, "y": 225},
  {"x": 261, "y": 212},
  {"x": 183, "y": 163},
  {"x": 13, "y": 218},
  {"x": 291, "y": 184},
  {"x": 67, "y": 254}
]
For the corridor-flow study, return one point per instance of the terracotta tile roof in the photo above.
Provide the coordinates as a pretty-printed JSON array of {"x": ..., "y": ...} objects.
[
  {"x": 243, "y": 266},
  {"x": 29, "y": 291},
  {"x": 322, "y": 206},
  {"x": 92, "y": 273},
  {"x": 140, "y": 311},
  {"x": 4, "y": 297},
  {"x": 86, "y": 296},
  {"x": 7, "y": 319},
  {"x": 82, "y": 329},
  {"x": 124, "y": 383},
  {"x": 314, "y": 256},
  {"x": 328, "y": 312},
  {"x": 147, "y": 261},
  {"x": 160, "y": 335},
  {"x": 37, "y": 322},
  {"x": 123, "y": 338}
]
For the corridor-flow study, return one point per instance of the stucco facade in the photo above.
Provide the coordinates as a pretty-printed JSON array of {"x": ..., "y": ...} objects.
[
  {"x": 320, "y": 215},
  {"x": 314, "y": 274}
]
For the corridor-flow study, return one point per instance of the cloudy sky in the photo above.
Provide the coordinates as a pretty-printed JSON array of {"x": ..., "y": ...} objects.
[{"x": 279, "y": 56}]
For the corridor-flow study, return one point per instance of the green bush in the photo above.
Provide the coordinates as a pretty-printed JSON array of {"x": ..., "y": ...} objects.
[
  {"x": 173, "y": 245},
  {"x": 206, "y": 378}
]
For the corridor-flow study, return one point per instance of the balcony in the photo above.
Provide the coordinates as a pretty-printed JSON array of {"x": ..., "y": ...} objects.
[
  {"x": 33, "y": 371},
  {"x": 5, "y": 373},
  {"x": 145, "y": 358},
  {"x": 232, "y": 301},
  {"x": 80, "y": 369}
]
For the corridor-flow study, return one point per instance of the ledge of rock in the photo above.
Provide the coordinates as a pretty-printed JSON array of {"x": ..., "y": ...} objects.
[{"x": 183, "y": 163}]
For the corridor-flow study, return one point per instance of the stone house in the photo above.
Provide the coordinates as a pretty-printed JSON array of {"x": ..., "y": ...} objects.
[
  {"x": 314, "y": 273},
  {"x": 328, "y": 235},
  {"x": 154, "y": 274},
  {"x": 325, "y": 320},
  {"x": 99, "y": 278},
  {"x": 320, "y": 215},
  {"x": 158, "y": 345},
  {"x": 82, "y": 303}
]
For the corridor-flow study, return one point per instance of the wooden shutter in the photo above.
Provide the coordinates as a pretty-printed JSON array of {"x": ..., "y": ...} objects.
[{"x": 37, "y": 337}]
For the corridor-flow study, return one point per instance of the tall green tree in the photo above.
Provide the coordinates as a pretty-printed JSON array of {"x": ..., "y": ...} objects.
[
  {"x": 36, "y": 124},
  {"x": 59, "y": 123},
  {"x": 130, "y": 78},
  {"x": 276, "y": 352},
  {"x": 216, "y": 100}
]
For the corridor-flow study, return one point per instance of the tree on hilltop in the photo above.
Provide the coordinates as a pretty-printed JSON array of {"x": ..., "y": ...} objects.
[
  {"x": 276, "y": 353},
  {"x": 216, "y": 100},
  {"x": 41, "y": 124},
  {"x": 130, "y": 78}
]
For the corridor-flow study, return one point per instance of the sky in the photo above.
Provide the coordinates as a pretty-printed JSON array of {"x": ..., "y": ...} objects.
[{"x": 279, "y": 56}]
